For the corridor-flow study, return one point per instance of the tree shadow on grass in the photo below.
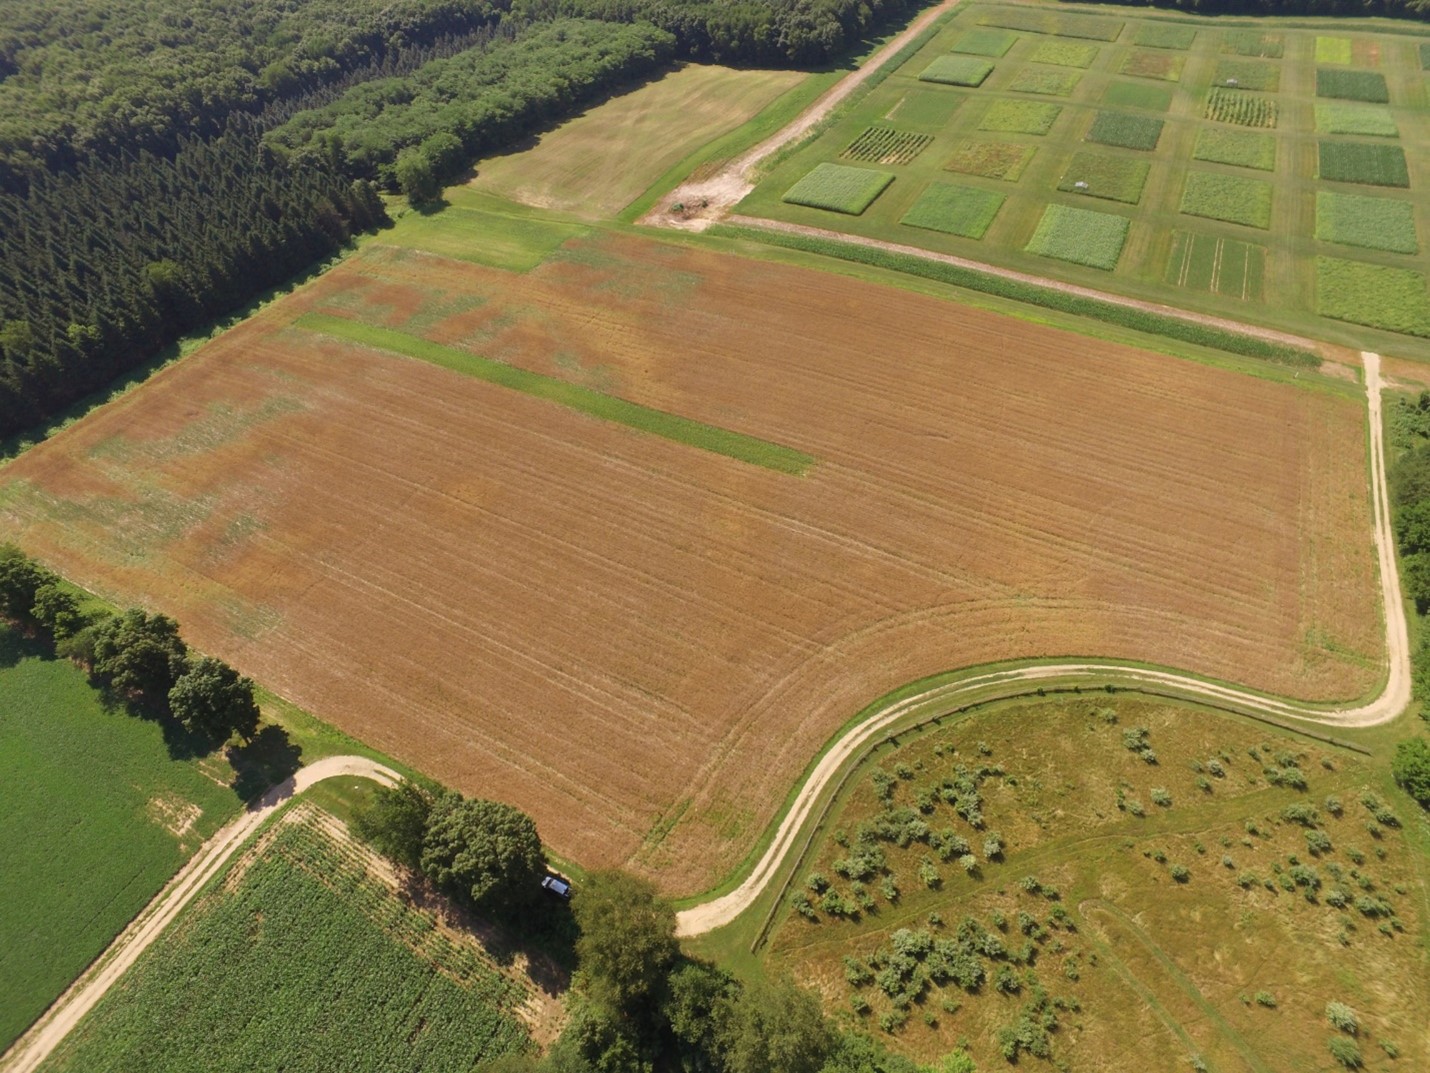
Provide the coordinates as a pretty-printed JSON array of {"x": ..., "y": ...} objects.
[
  {"x": 265, "y": 761},
  {"x": 16, "y": 646}
]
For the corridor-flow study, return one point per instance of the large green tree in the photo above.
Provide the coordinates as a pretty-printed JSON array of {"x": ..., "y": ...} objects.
[
  {"x": 778, "y": 1025},
  {"x": 212, "y": 699},
  {"x": 20, "y": 578},
  {"x": 1411, "y": 767},
  {"x": 627, "y": 943},
  {"x": 395, "y": 823},
  {"x": 484, "y": 853},
  {"x": 140, "y": 654}
]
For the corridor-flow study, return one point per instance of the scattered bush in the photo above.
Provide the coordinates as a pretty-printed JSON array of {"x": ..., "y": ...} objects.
[{"x": 1346, "y": 1052}]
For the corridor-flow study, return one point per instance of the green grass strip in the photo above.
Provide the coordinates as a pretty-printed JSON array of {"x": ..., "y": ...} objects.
[
  {"x": 607, "y": 407},
  {"x": 986, "y": 283}
]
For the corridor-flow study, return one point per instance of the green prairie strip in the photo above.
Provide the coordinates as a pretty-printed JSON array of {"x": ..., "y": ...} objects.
[{"x": 607, "y": 407}]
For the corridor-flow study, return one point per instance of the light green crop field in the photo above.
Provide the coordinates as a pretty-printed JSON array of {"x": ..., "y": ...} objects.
[
  {"x": 1202, "y": 136},
  {"x": 97, "y": 818}
]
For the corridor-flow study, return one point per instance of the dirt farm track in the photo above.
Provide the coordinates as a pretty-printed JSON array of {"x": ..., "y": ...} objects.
[{"x": 643, "y": 643}]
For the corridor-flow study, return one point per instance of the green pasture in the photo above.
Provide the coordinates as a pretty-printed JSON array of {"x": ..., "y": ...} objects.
[{"x": 1196, "y": 135}]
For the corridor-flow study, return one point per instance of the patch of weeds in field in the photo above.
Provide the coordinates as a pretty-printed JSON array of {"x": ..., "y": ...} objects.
[
  {"x": 1352, "y": 85},
  {"x": 1377, "y": 296},
  {"x": 985, "y": 41},
  {"x": 1254, "y": 43},
  {"x": 1127, "y": 131},
  {"x": 1138, "y": 95},
  {"x": 1245, "y": 109},
  {"x": 1343, "y": 117},
  {"x": 1164, "y": 35},
  {"x": 1233, "y": 198},
  {"x": 1051, "y": 83},
  {"x": 1165, "y": 66},
  {"x": 957, "y": 71},
  {"x": 966, "y": 211},
  {"x": 1117, "y": 178},
  {"x": 1243, "y": 148},
  {"x": 1064, "y": 54},
  {"x": 1357, "y": 162},
  {"x": 839, "y": 188},
  {"x": 886, "y": 145},
  {"x": 1248, "y": 74},
  {"x": 1375, "y": 223},
  {"x": 991, "y": 160},
  {"x": 1333, "y": 49},
  {"x": 1080, "y": 236},
  {"x": 1020, "y": 117}
]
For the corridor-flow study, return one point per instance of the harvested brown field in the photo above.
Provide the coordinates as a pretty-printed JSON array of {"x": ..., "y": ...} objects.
[{"x": 642, "y": 643}]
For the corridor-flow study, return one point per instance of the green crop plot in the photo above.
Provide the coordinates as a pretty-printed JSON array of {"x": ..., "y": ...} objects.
[
  {"x": 991, "y": 160},
  {"x": 955, "y": 210},
  {"x": 930, "y": 108},
  {"x": 1425, "y": 57},
  {"x": 1243, "y": 109},
  {"x": 1243, "y": 148},
  {"x": 1089, "y": 27},
  {"x": 1254, "y": 43},
  {"x": 1352, "y": 85},
  {"x": 1375, "y": 223},
  {"x": 1127, "y": 131},
  {"x": 957, "y": 71},
  {"x": 304, "y": 964},
  {"x": 1020, "y": 117},
  {"x": 1166, "y": 66},
  {"x": 1222, "y": 266},
  {"x": 1104, "y": 175},
  {"x": 1164, "y": 35},
  {"x": 1050, "y": 83},
  {"x": 1377, "y": 296},
  {"x": 885, "y": 145},
  {"x": 1342, "y": 117},
  {"x": 1359, "y": 162},
  {"x": 1248, "y": 74},
  {"x": 839, "y": 188},
  {"x": 1233, "y": 198},
  {"x": 1064, "y": 54},
  {"x": 988, "y": 41},
  {"x": 1333, "y": 49},
  {"x": 1080, "y": 236},
  {"x": 1138, "y": 95}
]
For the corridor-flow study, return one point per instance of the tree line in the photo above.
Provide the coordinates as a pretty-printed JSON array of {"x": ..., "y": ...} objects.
[{"x": 139, "y": 657}]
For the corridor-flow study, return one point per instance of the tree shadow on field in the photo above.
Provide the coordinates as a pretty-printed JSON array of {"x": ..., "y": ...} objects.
[
  {"x": 16, "y": 646},
  {"x": 265, "y": 761}
]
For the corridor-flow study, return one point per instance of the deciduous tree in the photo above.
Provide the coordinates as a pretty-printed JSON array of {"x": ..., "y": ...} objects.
[
  {"x": 627, "y": 942},
  {"x": 211, "y": 698},
  {"x": 140, "y": 654},
  {"x": 396, "y": 822},
  {"x": 485, "y": 853}
]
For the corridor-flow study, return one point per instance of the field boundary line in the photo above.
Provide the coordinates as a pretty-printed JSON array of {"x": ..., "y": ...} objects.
[{"x": 40, "y": 1040}]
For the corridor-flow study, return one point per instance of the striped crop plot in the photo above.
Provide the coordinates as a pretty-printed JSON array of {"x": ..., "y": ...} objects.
[
  {"x": 1243, "y": 109},
  {"x": 885, "y": 145},
  {"x": 839, "y": 189},
  {"x": 1223, "y": 266}
]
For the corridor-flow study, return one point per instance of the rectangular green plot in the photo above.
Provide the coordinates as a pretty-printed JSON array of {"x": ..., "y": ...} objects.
[
  {"x": 1064, "y": 54},
  {"x": 1141, "y": 63},
  {"x": 957, "y": 71},
  {"x": 1352, "y": 85},
  {"x": 1425, "y": 57},
  {"x": 1254, "y": 43},
  {"x": 887, "y": 145},
  {"x": 1346, "y": 117},
  {"x": 985, "y": 41},
  {"x": 583, "y": 400},
  {"x": 1128, "y": 131},
  {"x": 1138, "y": 95},
  {"x": 1106, "y": 175},
  {"x": 1214, "y": 265},
  {"x": 839, "y": 188},
  {"x": 928, "y": 109},
  {"x": 1020, "y": 117},
  {"x": 1080, "y": 236},
  {"x": 1050, "y": 82},
  {"x": 1243, "y": 109},
  {"x": 1333, "y": 49},
  {"x": 1248, "y": 74},
  {"x": 1376, "y": 296},
  {"x": 1233, "y": 198},
  {"x": 1089, "y": 27},
  {"x": 514, "y": 243},
  {"x": 955, "y": 210},
  {"x": 1360, "y": 162},
  {"x": 1164, "y": 35},
  {"x": 991, "y": 160},
  {"x": 1243, "y": 148},
  {"x": 1374, "y": 223}
]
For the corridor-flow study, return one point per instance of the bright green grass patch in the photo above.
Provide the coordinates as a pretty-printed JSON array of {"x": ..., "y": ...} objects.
[
  {"x": 606, "y": 407},
  {"x": 957, "y": 71},
  {"x": 1333, "y": 49},
  {"x": 1128, "y": 131},
  {"x": 985, "y": 41},
  {"x": 1244, "y": 148},
  {"x": 1051, "y": 83},
  {"x": 1351, "y": 85},
  {"x": 1116, "y": 178},
  {"x": 1248, "y": 74},
  {"x": 1254, "y": 43},
  {"x": 1089, "y": 27},
  {"x": 1375, "y": 223},
  {"x": 1233, "y": 198},
  {"x": 1374, "y": 295},
  {"x": 84, "y": 793},
  {"x": 955, "y": 210},
  {"x": 1357, "y": 162},
  {"x": 927, "y": 108},
  {"x": 991, "y": 160},
  {"x": 514, "y": 243},
  {"x": 1215, "y": 265},
  {"x": 1064, "y": 54},
  {"x": 839, "y": 188},
  {"x": 1141, "y": 63},
  {"x": 1138, "y": 95},
  {"x": 307, "y": 965},
  {"x": 1243, "y": 109},
  {"x": 1080, "y": 236},
  {"x": 1343, "y": 117},
  {"x": 1020, "y": 117},
  {"x": 1164, "y": 35}
]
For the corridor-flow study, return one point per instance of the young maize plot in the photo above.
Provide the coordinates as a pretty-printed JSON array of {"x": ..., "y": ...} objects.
[
  {"x": 839, "y": 188},
  {"x": 1080, "y": 236},
  {"x": 1243, "y": 109}
]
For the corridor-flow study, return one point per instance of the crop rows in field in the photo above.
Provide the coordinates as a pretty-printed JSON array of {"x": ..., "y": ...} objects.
[
  {"x": 839, "y": 188},
  {"x": 885, "y": 145},
  {"x": 954, "y": 210},
  {"x": 957, "y": 71},
  {"x": 1081, "y": 236},
  {"x": 1245, "y": 109},
  {"x": 1128, "y": 131},
  {"x": 1375, "y": 223},
  {"x": 1361, "y": 162},
  {"x": 1378, "y": 296},
  {"x": 1242, "y": 148},
  {"x": 1365, "y": 86},
  {"x": 1217, "y": 265},
  {"x": 1116, "y": 178},
  {"x": 1236, "y": 199}
]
